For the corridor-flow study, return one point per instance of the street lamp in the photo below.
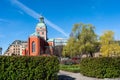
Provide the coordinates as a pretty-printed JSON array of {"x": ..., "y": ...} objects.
[{"x": 0, "y": 51}]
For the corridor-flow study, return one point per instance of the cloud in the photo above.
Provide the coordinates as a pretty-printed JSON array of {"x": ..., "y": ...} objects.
[
  {"x": 3, "y": 20},
  {"x": 36, "y": 15},
  {"x": 22, "y": 13}
]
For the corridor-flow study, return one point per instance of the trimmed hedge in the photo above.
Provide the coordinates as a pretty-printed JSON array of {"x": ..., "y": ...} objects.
[
  {"x": 28, "y": 68},
  {"x": 106, "y": 67}
]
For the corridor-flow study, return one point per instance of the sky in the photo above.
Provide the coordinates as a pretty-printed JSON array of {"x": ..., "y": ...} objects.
[{"x": 18, "y": 18}]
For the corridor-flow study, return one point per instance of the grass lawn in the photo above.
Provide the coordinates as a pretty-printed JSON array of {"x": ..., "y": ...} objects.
[{"x": 70, "y": 68}]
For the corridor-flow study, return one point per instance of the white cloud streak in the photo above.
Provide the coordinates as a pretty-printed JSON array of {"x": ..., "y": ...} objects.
[
  {"x": 36, "y": 15},
  {"x": 21, "y": 12},
  {"x": 4, "y": 20}
]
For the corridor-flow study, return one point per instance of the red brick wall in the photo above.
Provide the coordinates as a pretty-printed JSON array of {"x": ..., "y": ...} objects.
[
  {"x": 40, "y": 47},
  {"x": 23, "y": 52},
  {"x": 37, "y": 46}
]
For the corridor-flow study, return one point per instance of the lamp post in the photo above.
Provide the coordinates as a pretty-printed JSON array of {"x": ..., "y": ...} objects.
[{"x": 0, "y": 51}]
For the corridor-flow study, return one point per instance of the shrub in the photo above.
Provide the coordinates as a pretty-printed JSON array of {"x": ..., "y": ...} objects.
[
  {"x": 106, "y": 67},
  {"x": 28, "y": 68}
]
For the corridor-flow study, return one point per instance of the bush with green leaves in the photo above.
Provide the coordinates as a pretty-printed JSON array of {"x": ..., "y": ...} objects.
[
  {"x": 104, "y": 67},
  {"x": 28, "y": 68}
]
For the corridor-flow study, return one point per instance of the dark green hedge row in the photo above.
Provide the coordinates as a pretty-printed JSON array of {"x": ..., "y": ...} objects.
[
  {"x": 106, "y": 67},
  {"x": 29, "y": 68}
]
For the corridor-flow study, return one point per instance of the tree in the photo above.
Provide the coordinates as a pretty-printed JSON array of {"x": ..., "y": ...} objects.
[
  {"x": 82, "y": 41},
  {"x": 109, "y": 47},
  {"x": 87, "y": 39},
  {"x": 69, "y": 50}
]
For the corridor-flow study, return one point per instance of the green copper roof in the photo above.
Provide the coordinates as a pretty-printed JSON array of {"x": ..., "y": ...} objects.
[
  {"x": 50, "y": 40},
  {"x": 41, "y": 19},
  {"x": 35, "y": 34},
  {"x": 41, "y": 25}
]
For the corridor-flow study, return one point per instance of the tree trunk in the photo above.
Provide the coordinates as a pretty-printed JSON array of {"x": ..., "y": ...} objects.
[{"x": 91, "y": 54}]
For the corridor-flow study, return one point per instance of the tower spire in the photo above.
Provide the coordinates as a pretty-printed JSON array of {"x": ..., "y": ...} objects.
[
  {"x": 41, "y": 19},
  {"x": 41, "y": 28}
]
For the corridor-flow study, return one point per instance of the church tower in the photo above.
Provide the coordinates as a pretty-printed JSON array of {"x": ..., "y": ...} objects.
[
  {"x": 41, "y": 28},
  {"x": 37, "y": 42}
]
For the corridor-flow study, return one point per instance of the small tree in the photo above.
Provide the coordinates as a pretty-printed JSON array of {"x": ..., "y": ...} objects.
[
  {"x": 108, "y": 45},
  {"x": 69, "y": 50}
]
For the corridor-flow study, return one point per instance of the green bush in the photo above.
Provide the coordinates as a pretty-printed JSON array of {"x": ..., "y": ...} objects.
[
  {"x": 28, "y": 68},
  {"x": 106, "y": 67},
  {"x": 70, "y": 68}
]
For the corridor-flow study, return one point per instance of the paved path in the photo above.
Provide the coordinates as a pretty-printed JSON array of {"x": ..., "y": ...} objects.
[{"x": 63, "y": 75}]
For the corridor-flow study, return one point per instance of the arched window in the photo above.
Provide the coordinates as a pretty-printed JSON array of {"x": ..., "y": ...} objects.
[{"x": 33, "y": 46}]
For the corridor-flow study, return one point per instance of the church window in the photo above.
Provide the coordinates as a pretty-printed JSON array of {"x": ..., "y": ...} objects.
[{"x": 33, "y": 46}]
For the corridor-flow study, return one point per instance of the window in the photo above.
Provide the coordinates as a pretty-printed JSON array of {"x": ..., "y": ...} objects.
[
  {"x": 18, "y": 51},
  {"x": 33, "y": 46},
  {"x": 38, "y": 32},
  {"x": 42, "y": 33}
]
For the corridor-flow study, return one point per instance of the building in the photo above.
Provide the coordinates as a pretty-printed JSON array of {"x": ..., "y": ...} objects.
[
  {"x": 38, "y": 43},
  {"x": 16, "y": 48},
  {"x": 60, "y": 41}
]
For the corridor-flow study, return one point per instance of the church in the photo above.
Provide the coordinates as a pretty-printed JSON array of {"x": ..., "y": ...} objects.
[{"x": 38, "y": 43}]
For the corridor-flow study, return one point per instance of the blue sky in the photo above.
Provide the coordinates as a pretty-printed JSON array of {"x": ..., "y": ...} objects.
[{"x": 18, "y": 18}]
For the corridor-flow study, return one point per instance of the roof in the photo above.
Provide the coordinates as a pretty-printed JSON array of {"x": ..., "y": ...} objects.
[
  {"x": 50, "y": 40},
  {"x": 18, "y": 42},
  {"x": 39, "y": 25},
  {"x": 35, "y": 34}
]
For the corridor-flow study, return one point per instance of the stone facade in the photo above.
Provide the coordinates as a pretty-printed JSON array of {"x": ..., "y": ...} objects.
[{"x": 16, "y": 48}]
